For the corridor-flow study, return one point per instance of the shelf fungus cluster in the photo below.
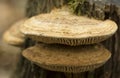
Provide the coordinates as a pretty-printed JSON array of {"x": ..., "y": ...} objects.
[
  {"x": 66, "y": 42},
  {"x": 13, "y": 36}
]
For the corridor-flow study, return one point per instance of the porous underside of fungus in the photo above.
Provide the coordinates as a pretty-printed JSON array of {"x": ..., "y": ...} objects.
[
  {"x": 66, "y": 58},
  {"x": 60, "y": 26},
  {"x": 13, "y": 36}
]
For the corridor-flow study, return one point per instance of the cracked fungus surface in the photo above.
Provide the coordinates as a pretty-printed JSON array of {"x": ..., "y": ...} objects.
[{"x": 63, "y": 24}]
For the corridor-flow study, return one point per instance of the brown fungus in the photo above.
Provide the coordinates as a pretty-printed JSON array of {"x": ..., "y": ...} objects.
[
  {"x": 64, "y": 58},
  {"x": 13, "y": 36},
  {"x": 62, "y": 27}
]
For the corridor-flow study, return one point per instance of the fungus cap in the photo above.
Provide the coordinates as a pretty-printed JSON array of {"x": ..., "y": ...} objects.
[
  {"x": 67, "y": 58},
  {"x": 62, "y": 27},
  {"x": 13, "y": 36}
]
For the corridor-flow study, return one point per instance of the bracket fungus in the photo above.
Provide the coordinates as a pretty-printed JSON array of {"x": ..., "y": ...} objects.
[
  {"x": 65, "y": 42},
  {"x": 62, "y": 27},
  {"x": 13, "y": 36},
  {"x": 64, "y": 58}
]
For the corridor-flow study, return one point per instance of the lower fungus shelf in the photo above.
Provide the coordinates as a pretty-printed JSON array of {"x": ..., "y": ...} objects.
[
  {"x": 68, "y": 59},
  {"x": 31, "y": 70}
]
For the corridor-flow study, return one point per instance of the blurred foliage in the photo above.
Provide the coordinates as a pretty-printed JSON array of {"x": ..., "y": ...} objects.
[{"x": 75, "y": 4}]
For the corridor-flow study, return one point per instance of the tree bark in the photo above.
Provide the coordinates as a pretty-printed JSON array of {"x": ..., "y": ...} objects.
[{"x": 35, "y": 7}]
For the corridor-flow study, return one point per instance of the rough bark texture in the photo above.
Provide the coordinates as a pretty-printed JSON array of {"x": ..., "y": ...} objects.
[
  {"x": 110, "y": 70},
  {"x": 35, "y": 7}
]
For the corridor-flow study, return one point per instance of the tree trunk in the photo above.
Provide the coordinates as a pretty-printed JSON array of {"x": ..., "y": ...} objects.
[{"x": 110, "y": 70}]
